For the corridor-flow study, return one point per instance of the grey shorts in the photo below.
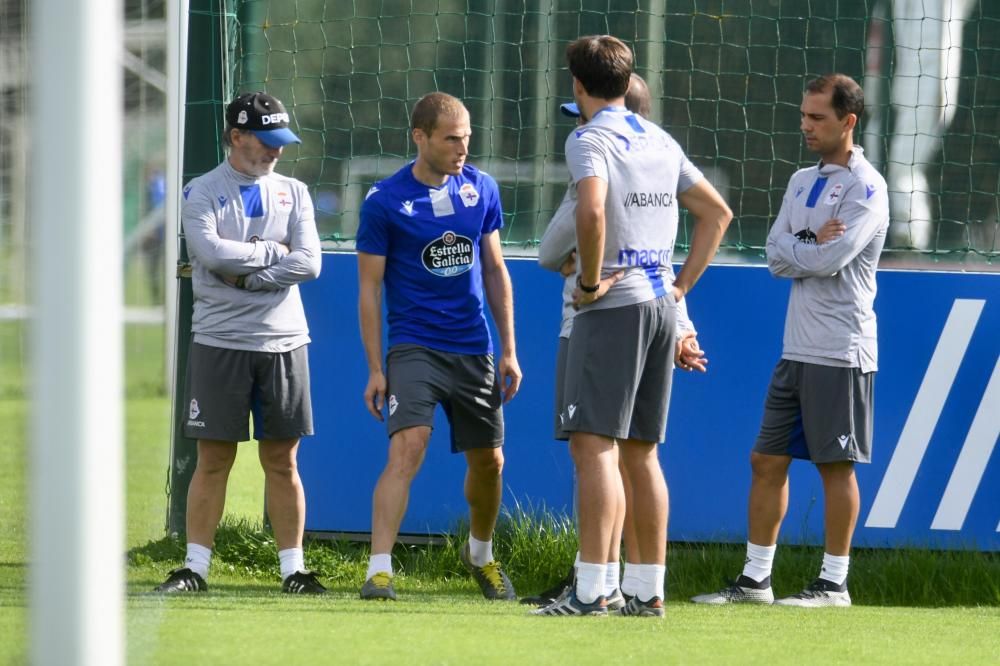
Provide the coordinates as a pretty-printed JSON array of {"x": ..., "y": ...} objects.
[
  {"x": 619, "y": 367},
  {"x": 466, "y": 387},
  {"x": 818, "y": 412},
  {"x": 224, "y": 387},
  {"x": 560, "y": 385}
]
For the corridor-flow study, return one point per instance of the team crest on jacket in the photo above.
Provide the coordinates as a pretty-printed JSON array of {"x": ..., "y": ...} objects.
[
  {"x": 834, "y": 195},
  {"x": 468, "y": 195},
  {"x": 284, "y": 202},
  {"x": 449, "y": 255}
]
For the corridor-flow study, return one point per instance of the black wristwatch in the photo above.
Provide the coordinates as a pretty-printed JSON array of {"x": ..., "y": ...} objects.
[{"x": 587, "y": 289}]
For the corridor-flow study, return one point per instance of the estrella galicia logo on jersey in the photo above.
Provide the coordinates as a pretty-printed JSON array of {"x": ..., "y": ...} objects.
[
  {"x": 468, "y": 195},
  {"x": 869, "y": 191},
  {"x": 806, "y": 236},
  {"x": 645, "y": 199},
  {"x": 834, "y": 194},
  {"x": 449, "y": 255},
  {"x": 407, "y": 208}
]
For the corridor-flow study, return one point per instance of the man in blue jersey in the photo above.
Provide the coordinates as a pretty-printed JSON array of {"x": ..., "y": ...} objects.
[
  {"x": 629, "y": 176},
  {"x": 252, "y": 239},
  {"x": 430, "y": 235},
  {"x": 827, "y": 239}
]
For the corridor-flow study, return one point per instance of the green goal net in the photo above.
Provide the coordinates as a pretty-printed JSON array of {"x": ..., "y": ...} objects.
[{"x": 726, "y": 77}]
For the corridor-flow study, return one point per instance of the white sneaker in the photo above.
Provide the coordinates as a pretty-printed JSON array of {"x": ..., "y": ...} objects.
[
  {"x": 820, "y": 593},
  {"x": 744, "y": 591}
]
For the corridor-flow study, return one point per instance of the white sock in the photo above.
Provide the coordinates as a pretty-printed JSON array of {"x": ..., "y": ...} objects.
[
  {"x": 759, "y": 561},
  {"x": 480, "y": 552},
  {"x": 576, "y": 562},
  {"x": 292, "y": 560},
  {"x": 630, "y": 581},
  {"x": 651, "y": 579},
  {"x": 198, "y": 559},
  {"x": 835, "y": 568},
  {"x": 590, "y": 581},
  {"x": 612, "y": 578},
  {"x": 381, "y": 563}
]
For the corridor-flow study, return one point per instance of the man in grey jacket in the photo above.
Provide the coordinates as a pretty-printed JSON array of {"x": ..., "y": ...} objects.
[
  {"x": 827, "y": 239},
  {"x": 252, "y": 239}
]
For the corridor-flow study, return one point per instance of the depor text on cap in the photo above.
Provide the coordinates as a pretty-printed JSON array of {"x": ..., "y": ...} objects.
[{"x": 263, "y": 115}]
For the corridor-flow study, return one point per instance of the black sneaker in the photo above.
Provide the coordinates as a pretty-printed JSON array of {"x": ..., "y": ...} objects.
[
  {"x": 182, "y": 580},
  {"x": 303, "y": 582},
  {"x": 820, "y": 593},
  {"x": 548, "y": 596},
  {"x": 744, "y": 591}
]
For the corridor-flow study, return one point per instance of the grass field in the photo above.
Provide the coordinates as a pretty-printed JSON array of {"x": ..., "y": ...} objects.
[{"x": 912, "y": 606}]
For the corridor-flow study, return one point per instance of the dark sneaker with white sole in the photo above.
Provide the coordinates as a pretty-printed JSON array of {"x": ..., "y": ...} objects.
[
  {"x": 744, "y": 591},
  {"x": 303, "y": 582},
  {"x": 568, "y": 604},
  {"x": 821, "y": 593},
  {"x": 636, "y": 608},
  {"x": 182, "y": 580}
]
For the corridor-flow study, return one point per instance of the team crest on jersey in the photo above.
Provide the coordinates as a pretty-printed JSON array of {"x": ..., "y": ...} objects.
[
  {"x": 834, "y": 195},
  {"x": 449, "y": 255},
  {"x": 468, "y": 195},
  {"x": 283, "y": 202}
]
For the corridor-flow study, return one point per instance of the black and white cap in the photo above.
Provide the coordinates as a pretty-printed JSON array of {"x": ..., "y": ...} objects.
[{"x": 263, "y": 115}]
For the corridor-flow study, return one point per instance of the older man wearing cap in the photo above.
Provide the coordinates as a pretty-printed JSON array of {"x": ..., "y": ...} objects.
[{"x": 252, "y": 239}]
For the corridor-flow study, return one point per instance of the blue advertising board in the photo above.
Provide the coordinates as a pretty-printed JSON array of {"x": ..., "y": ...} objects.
[{"x": 935, "y": 476}]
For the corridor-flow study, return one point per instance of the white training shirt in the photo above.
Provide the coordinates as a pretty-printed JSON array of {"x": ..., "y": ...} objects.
[
  {"x": 645, "y": 169},
  {"x": 830, "y": 318}
]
